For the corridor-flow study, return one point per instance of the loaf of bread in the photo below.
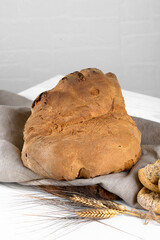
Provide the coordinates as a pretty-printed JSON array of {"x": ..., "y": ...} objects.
[{"x": 80, "y": 129}]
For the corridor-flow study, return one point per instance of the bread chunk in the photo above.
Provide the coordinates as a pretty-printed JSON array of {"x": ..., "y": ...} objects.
[
  {"x": 149, "y": 176},
  {"x": 80, "y": 129},
  {"x": 149, "y": 200}
]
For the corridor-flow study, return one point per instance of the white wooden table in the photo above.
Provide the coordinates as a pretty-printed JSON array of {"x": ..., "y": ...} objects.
[{"x": 13, "y": 221}]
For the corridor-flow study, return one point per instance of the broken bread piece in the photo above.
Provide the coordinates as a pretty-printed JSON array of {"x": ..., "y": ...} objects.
[
  {"x": 149, "y": 200},
  {"x": 80, "y": 129},
  {"x": 149, "y": 176}
]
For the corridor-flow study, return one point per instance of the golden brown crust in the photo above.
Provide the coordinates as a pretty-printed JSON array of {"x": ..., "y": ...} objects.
[
  {"x": 80, "y": 128},
  {"x": 149, "y": 200},
  {"x": 149, "y": 176}
]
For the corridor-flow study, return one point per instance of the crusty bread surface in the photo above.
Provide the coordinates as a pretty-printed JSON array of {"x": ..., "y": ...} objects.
[
  {"x": 80, "y": 129},
  {"x": 149, "y": 176},
  {"x": 149, "y": 200}
]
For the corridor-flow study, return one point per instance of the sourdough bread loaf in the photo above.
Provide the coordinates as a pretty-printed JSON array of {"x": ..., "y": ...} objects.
[{"x": 80, "y": 129}]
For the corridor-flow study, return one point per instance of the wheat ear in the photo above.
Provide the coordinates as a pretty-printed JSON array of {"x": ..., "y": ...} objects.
[
  {"x": 102, "y": 207},
  {"x": 92, "y": 202},
  {"x": 108, "y": 213},
  {"x": 86, "y": 201},
  {"x": 97, "y": 213}
]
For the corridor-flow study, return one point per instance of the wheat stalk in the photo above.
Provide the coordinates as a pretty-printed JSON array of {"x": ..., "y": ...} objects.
[
  {"x": 83, "y": 200},
  {"x": 97, "y": 213},
  {"x": 100, "y": 208},
  {"x": 144, "y": 215},
  {"x": 109, "y": 213},
  {"x": 104, "y": 207},
  {"x": 92, "y": 202}
]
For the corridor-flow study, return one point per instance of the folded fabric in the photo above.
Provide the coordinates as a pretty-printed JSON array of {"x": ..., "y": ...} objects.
[{"x": 14, "y": 111}]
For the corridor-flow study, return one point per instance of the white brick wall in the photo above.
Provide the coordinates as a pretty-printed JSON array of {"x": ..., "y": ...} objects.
[{"x": 42, "y": 38}]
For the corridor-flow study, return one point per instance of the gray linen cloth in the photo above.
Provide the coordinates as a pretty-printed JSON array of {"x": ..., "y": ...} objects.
[{"x": 14, "y": 111}]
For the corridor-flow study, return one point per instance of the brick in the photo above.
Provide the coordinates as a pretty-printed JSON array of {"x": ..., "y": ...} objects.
[
  {"x": 12, "y": 71},
  {"x": 73, "y": 41},
  {"x": 20, "y": 64},
  {"x": 142, "y": 78},
  {"x": 142, "y": 48},
  {"x": 16, "y": 84},
  {"x": 97, "y": 33},
  {"x": 14, "y": 56},
  {"x": 8, "y": 9},
  {"x": 68, "y": 26},
  {"x": 32, "y": 9},
  {"x": 156, "y": 93},
  {"x": 106, "y": 30},
  {"x": 135, "y": 28},
  {"x": 69, "y": 60},
  {"x": 41, "y": 8},
  {"x": 155, "y": 24},
  {"x": 39, "y": 74},
  {"x": 139, "y": 77},
  {"x": 84, "y": 41},
  {"x": 93, "y": 9},
  {"x": 62, "y": 25},
  {"x": 155, "y": 7},
  {"x": 134, "y": 10},
  {"x": 40, "y": 58},
  {"x": 40, "y": 39},
  {"x": 16, "y": 78},
  {"x": 24, "y": 34}
]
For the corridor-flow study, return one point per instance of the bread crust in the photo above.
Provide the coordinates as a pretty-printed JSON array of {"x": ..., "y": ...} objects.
[
  {"x": 149, "y": 200},
  {"x": 149, "y": 176},
  {"x": 80, "y": 129}
]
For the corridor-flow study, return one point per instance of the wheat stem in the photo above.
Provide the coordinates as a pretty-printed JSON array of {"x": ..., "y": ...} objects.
[
  {"x": 91, "y": 202},
  {"x": 101, "y": 208},
  {"x": 146, "y": 216},
  {"x": 114, "y": 205}
]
